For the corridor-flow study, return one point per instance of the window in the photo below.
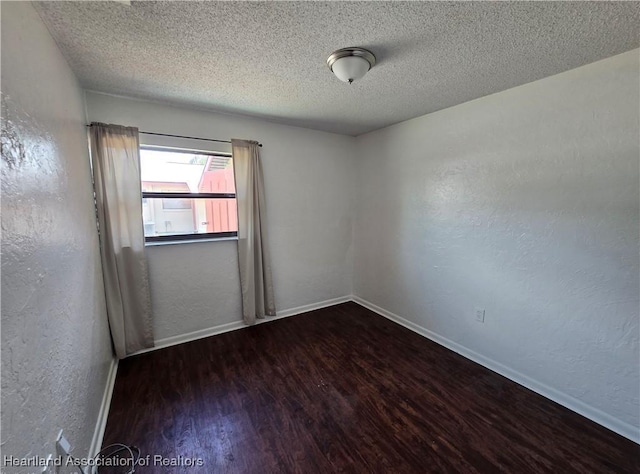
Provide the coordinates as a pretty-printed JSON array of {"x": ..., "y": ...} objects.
[{"x": 187, "y": 194}]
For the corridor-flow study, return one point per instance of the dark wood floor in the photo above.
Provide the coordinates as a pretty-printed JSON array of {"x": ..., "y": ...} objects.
[{"x": 345, "y": 390}]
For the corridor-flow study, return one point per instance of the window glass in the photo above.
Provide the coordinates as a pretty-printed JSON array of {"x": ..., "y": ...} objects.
[{"x": 187, "y": 193}]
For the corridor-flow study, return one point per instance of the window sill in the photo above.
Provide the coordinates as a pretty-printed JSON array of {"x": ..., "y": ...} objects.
[{"x": 191, "y": 241}]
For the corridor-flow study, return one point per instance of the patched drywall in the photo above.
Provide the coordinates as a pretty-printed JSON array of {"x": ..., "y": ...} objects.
[
  {"x": 524, "y": 203},
  {"x": 56, "y": 351},
  {"x": 308, "y": 181}
]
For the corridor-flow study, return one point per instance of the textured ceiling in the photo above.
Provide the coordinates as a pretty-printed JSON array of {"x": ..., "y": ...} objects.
[{"x": 267, "y": 59}]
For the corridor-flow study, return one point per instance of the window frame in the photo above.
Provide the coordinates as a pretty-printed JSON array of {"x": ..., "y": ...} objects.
[{"x": 176, "y": 238}]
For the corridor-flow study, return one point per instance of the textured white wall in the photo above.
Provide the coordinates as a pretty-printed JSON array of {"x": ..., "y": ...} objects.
[
  {"x": 56, "y": 350},
  {"x": 525, "y": 203},
  {"x": 308, "y": 181}
]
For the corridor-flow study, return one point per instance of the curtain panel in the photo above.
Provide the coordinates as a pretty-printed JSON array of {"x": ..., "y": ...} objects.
[
  {"x": 253, "y": 250},
  {"x": 115, "y": 159}
]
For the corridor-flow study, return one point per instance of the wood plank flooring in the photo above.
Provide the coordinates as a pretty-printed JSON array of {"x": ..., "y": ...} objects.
[{"x": 345, "y": 390}]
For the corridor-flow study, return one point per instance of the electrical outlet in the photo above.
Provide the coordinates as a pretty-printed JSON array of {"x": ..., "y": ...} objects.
[
  {"x": 480, "y": 315},
  {"x": 63, "y": 450},
  {"x": 63, "y": 447}
]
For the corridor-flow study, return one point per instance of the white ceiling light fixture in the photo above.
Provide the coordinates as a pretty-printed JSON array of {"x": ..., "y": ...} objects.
[{"x": 351, "y": 64}]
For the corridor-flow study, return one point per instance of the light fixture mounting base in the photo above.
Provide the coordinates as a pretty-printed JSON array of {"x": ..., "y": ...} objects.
[{"x": 345, "y": 52}]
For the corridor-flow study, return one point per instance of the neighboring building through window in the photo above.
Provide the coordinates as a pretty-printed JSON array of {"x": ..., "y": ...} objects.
[{"x": 187, "y": 194}]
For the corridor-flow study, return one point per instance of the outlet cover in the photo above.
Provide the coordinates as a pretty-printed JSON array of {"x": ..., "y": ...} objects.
[
  {"x": 480, "y": 315},
  {"x": 62, "y": 445}
]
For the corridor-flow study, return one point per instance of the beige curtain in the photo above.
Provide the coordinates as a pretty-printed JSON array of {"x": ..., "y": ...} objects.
[
  {"x": 115, "y": 159},
  {"x": 253, "y": 251}
]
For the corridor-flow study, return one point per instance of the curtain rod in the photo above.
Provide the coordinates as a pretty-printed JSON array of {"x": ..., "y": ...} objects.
[{"x": 183, "y": 136}]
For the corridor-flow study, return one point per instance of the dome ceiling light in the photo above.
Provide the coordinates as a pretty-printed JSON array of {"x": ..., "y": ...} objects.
[{"x": 351, "y": 64}]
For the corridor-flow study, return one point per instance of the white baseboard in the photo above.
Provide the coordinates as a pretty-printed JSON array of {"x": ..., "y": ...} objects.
[
  {"x": 622, "y": 428},
  {"x": 192, "y": 336},
  {"x": 310, "y": 307},
  {"x": 101, "y": 423},
  {"x": 222, "y": 328}
]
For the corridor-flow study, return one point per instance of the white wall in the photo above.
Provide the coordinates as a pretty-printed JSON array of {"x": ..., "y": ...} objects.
[
  {"x": 56, "y": 351},
  {"x": 308, "y": 180},
  {"x": 524, "y": 203}
]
